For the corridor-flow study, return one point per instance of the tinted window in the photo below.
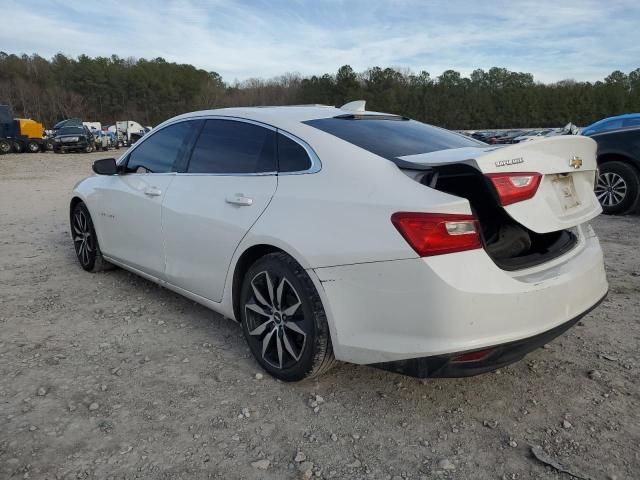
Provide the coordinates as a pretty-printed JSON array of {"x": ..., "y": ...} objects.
[
  {"x": 227, "y": 146},
  {"x": 158, "y": 153},
  {"x": 392, "y": 138},
  {"x": 292, "y": 157}
]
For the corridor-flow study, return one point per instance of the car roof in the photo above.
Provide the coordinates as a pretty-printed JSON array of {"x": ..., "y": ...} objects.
[{"x": 278, "y": 116}]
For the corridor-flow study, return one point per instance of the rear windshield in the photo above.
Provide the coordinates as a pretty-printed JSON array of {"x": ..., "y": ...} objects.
[{"x": 392, "y": 137}]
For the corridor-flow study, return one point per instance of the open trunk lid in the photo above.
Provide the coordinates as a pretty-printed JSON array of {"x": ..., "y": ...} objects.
[{"x": 564, "y": 197}]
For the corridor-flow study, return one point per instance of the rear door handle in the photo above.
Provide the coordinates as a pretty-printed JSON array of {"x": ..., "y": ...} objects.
[
  {"x": 239, "y": 199},
  {"x": 153, "y": 191}
]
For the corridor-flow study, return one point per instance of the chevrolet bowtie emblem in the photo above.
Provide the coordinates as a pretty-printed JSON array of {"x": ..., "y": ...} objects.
[{"x": 575, "y": 162}]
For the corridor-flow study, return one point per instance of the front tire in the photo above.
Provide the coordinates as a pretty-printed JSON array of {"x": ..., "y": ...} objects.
[
  {"x": 5, "y": 147},
  {"x": 618, "y": 187},
  {"x": 283, "y": 320},
  {"x": 85, "y": 240}
]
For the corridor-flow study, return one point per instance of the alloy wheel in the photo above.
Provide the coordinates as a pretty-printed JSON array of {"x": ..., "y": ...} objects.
[
  {"x": 82, "y": 237},
  {"x": 276, "y": 321},
  {"x": 611, "y": 189}
]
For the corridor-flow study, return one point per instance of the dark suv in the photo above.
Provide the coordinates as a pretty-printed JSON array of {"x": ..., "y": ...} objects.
[
  {"x": 73, "y": 138},
  {"x": 618, "y": 186}
]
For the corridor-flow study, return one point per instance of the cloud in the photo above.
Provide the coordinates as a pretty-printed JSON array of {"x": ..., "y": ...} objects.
[{"x": 585, "y": 40}]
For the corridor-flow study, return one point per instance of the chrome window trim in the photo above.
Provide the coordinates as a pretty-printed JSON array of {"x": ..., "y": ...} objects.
[
  {"x": 257, "y": 174},
  {"x": 316, "y": 164}
]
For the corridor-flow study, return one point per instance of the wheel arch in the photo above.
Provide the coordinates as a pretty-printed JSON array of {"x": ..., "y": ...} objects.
[
  {"x": 618, "y": 157},
  {"x": 75, "y": 200},
  {"x": 244, "y": 262}
]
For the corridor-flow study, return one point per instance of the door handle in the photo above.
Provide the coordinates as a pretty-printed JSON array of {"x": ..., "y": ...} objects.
[
  {"x": 153, "y": 191},
  {"x": 240, "y": 200}
]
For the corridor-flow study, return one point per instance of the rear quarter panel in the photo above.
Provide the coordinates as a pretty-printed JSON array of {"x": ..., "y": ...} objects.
[{"x": 342, "y": 214}]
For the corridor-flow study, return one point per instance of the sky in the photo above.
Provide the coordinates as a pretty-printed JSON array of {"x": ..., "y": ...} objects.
[{"x": 554, "y": 40}]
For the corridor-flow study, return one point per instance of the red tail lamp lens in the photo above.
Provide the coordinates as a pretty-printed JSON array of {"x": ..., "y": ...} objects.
[
  {"x": 438, "y": 233},
  {"x": 515, "y": 187}
]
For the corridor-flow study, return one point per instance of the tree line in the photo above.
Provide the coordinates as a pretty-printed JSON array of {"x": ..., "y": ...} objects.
[{"x": 150, "y": 91}]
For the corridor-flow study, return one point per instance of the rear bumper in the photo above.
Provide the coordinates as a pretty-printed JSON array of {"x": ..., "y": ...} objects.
[
  {"x": 498, "y": 356},
  {"x": 384, "y": 312}
]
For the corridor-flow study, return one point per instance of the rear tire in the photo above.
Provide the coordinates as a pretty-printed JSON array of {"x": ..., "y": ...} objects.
[
  {"x": 283, "y": 320},
  {"x": 18, "y": 147},
  {"x": 85, "y": 240},
  {"x": 33, "y": 147},
  {"x": 617, "y": 187}
]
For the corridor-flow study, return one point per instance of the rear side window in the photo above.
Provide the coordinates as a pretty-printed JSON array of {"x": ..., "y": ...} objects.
[
  {"x": 158, "y": 153},
  {"x": 392, "y": 137},
  {"x": 292, "y": 157},
  {"x": 229, "y": 147}
]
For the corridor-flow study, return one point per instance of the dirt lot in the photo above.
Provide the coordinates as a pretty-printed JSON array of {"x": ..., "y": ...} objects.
[{"x": 109, "y": 376}]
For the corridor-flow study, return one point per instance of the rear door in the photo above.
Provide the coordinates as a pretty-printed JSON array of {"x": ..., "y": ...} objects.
[
  {"x": 226, "y": 184},
  {"x": 567, "y": 164}
]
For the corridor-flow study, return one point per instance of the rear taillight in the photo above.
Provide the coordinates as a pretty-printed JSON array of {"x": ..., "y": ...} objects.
[
  {"x": 515, "y": 187},
  {"x": 438, "y": 233}
]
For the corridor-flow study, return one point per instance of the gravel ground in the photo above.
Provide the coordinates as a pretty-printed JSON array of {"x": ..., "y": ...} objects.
[{"x": 109, "y": 376}]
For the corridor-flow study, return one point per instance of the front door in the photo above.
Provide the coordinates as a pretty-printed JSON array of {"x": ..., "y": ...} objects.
[{"x": 131, "y": 223}]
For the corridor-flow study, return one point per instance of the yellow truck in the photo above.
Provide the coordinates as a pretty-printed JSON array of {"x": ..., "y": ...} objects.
[{"x": 21, "y": 134}]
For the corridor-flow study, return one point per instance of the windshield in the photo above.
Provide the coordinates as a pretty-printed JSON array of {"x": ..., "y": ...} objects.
[
  {"x": 70, "y": 131},
  {"x": 392, "y": 137}
]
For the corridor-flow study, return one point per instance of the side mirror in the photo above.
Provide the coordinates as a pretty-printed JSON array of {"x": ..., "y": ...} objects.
[{"x": 106, "y": 166}]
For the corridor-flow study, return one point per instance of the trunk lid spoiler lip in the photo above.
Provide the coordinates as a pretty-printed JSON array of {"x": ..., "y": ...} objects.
[
  {"x": 544, "y": 156},
  {"x": 425, "y": 161}
]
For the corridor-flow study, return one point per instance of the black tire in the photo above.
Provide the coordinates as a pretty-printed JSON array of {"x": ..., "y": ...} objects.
[
  {"x": 48, "y": 145},
  {"x": 88, "y": 149},
  {"x": 33, "y": 146},
  {"x": 617, "y": 187},
  {"x": 18, "y": 147},
  {"x": 85, "y": 241},
  {"x": 5, "y": 147},
  {"x": 292, "y": 354}
]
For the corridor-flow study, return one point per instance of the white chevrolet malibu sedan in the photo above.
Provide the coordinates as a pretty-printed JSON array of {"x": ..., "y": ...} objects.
[{"x": 343, "y": 234}]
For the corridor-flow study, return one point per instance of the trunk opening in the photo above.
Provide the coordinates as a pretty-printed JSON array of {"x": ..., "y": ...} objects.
[{"x": 510, "y": 245}]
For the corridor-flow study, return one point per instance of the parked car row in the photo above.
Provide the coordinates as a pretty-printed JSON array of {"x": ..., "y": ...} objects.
[
  {"x": 509, "y": 137},
  {"x": 19, "y": 135}
]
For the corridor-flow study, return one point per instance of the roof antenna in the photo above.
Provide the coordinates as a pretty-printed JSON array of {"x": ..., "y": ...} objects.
[{"x": 357, "y": 106}]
